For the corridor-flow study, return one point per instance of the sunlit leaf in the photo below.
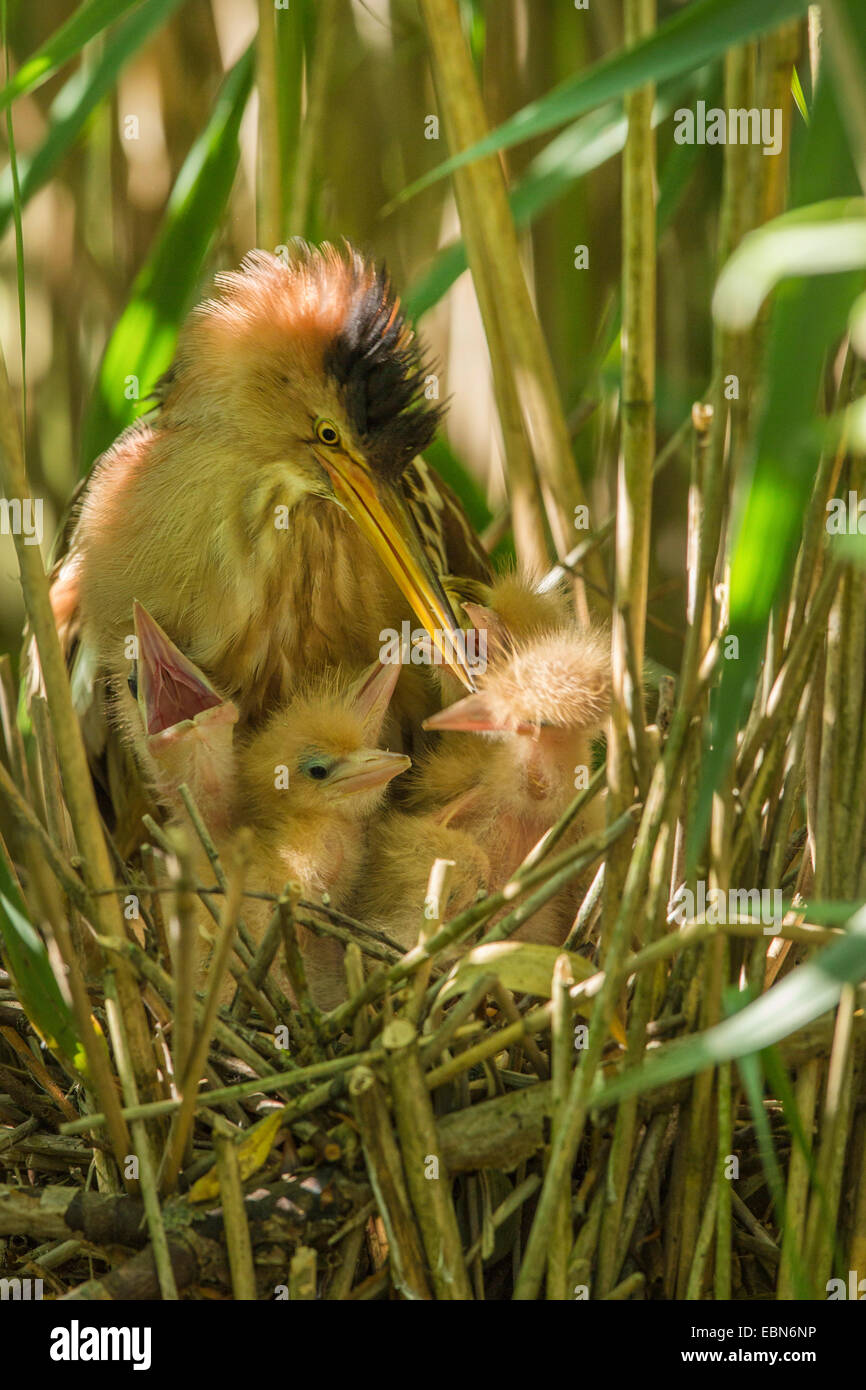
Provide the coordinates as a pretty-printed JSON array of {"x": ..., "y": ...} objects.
[
  {"x": 253, "y": 1151},
  {"x": 142, "y": 343},
  {"x": 808, "y": 992},
  {"x": 26, "y": 958},
  {"x": 809, "y": 315},
  {"x": 797, "y": 94},
  {"x": 88, "y": 20},
  {"x": 79, "y": 98},
  {"x": 523, "y": 966},
  {"x": 698, "y": 33},
  {"x": 833, "y": 240}
]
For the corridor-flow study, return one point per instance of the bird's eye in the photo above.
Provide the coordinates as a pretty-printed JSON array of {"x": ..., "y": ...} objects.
[
  {"x": 132, "y": 682},
  {"x": 317, "y": 771},
  {"x": 326, "y": 433}
]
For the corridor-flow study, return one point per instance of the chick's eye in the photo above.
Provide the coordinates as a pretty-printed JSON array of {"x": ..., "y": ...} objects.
[
  {"x": 327, "y": 433},
  {"x": 317, "y": 771}
]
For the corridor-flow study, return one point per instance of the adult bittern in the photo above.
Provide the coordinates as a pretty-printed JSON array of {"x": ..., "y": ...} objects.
[
  {"x": 307, "y": 781},
  {"x": 274, "y": 515}
]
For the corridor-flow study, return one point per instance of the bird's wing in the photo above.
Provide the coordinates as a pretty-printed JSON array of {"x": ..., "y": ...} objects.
[{"x": 443, "y": 526}]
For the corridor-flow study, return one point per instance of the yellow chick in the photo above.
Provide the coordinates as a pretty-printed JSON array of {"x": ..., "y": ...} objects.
[
  {"x": 539, "y": 706},
  {"x": 307, "y": 782}
]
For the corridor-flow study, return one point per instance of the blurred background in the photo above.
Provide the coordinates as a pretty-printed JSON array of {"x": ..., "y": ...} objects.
[{"x": 142, "y": 164}]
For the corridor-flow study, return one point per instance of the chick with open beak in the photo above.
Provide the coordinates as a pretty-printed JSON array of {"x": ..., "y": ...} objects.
[
  {"x": 307, "y": 782},
  {"x": 539, "y": 706},
  {"x": 273, "y": 514}
]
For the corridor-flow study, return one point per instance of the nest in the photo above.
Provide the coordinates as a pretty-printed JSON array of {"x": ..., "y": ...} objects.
[{"x": 395, "y": 1147}]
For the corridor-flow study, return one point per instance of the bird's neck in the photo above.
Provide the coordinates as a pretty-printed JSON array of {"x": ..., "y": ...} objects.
[{"x": 306, "y": 596}]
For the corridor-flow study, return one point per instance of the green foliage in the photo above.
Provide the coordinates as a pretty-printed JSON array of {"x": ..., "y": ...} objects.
[{"x": 142, "y": 344}]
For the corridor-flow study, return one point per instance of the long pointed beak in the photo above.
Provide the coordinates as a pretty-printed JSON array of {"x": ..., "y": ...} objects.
[
  {"x": 475, "y": 716},
  {"x": 369, "y": 767},
  {"x": 373, "y": 692},
  {"x": 171, "y": 688},
  {"x": 382, "y": 516}
]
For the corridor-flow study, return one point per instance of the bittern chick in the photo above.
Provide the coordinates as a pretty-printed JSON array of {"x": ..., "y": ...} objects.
[
  {"x": 539, "y": 707},
  {"x": 180, "y": 727},
  {"x": 307, "y": 782},
  {"x": 508, "y": 611}
]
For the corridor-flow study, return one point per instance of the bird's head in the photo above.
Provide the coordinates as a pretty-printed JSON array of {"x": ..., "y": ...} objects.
[
  {"x": 317, "y": 756},
  {"x": 310, "y": 368},
  {"x": 547, "y": 697},
  {"x": 187, "y": 726}
]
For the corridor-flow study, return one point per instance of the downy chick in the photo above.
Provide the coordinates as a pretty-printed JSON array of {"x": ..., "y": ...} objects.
[
  {"x": 538, "y": 709},
  {"x": 306, "y": 782}
]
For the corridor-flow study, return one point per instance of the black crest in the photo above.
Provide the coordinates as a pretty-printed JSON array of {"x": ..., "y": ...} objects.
[{"x": 381, "y": 371}]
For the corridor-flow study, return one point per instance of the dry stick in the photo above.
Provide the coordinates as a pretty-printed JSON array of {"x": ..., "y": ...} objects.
[
  {"x": 512, "y": 1203},
  {"x": 838, "y": 1107},
  {"x": 580, "y": 1263},
  {"x": 434, "y": 1044},
  {"x": 9, "y": 722},
  {"x": 562, "y": 1057},
  {"x": 382, "y": 1158},
  {"x": 229, "y": 1038},
  {"x": 143, "y": 1153},
  {"x": 505, "y": 1000},
  {"x": 569, "y": 564},
  {"x": 77, "y": 786},
  {"x": 703, "y": 532},
  {"x": 435, "y": 902},
  {"x": 585, "y": 913},
  {"x": 188, "y": 1082},
  {"x": 286, "y": 1080},
  {"x": 341, "y": 1284},
  {"x": 237, "y": 1231},
  {"x": 419, "y": 1143},
  {"x": 302, "y": 1274},
  {"x": 98, "y": 1066},
  {"x": 564, "y": 1149},
  {"x": 785, "y": 694},
  {"x": 640, "y": 1179},
  {"x": 269, "y": 184},
  {"x": 244, "y": 945},
  {"x": 57, "y": 862},
  {"x": 535, "y": 433},
  {"x": 797, "y": 1192},
  {"x": 704, "y": 1242},
  {"x": 183, "y": 944},
  {"x": 567, "y": 865},
  {"x": 353, "y": 963},
  {"x": 628, "y": 757},
  {"x": 634, "y": 476},
  {"x": 51, "y": 790},
  {"x": 609, "y": 1259},
  {"x": 310, "y": 139},
  {"x": 294, "y": 961}
]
